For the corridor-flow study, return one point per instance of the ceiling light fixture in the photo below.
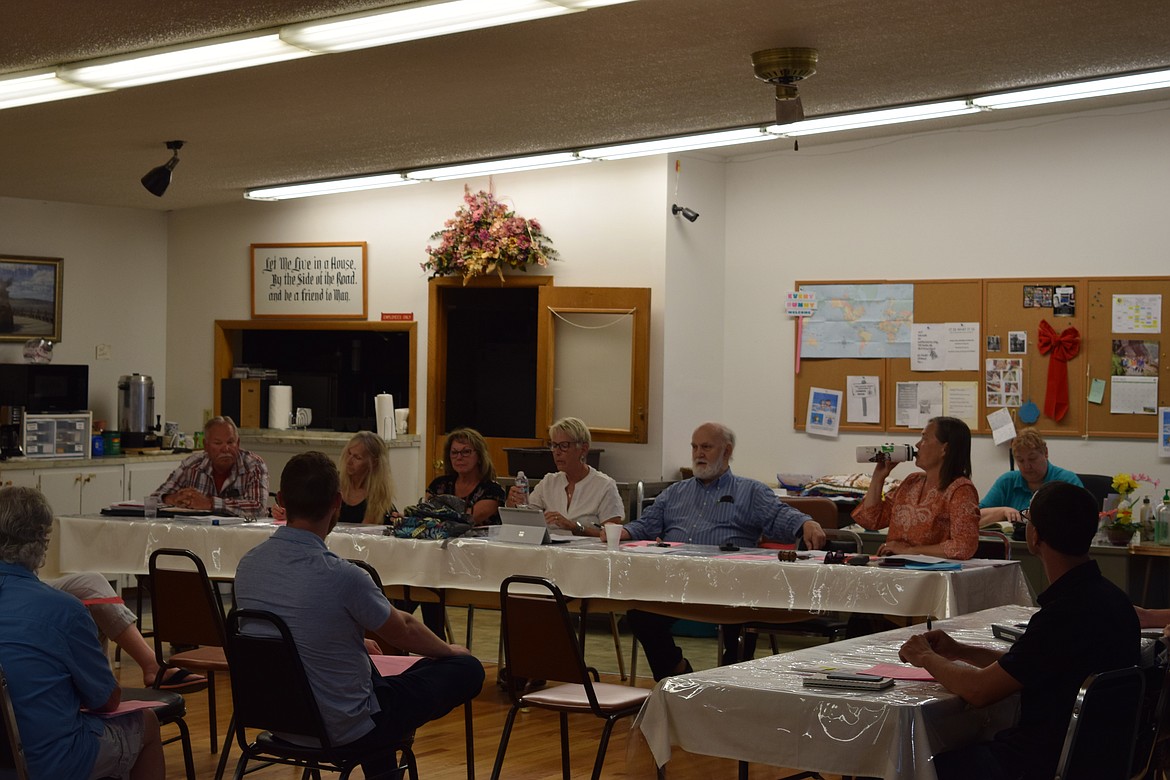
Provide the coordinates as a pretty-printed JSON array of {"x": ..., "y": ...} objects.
[
  {"x": 331, "y": 187},
  {"x": 1117, "y": 85},
  {"x": 157, "y": 179},
  {"x": 180, "y": 62},
  {"x": 24, "y": 89},
  {"x": 682, "y": 143},
  {"x": 505, "y": 165},
  {"x": 418, "y": 20},
  {"x": 885, "y": 116}
]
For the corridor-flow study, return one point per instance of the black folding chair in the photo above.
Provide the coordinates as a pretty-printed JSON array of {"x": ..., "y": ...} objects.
[
  {"x": 11, "y": 748},
  {"x": 1103, "y": 728},
  {"x": 272, "y": 693}
]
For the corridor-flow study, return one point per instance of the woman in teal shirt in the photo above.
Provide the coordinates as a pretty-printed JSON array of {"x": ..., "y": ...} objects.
[{"x": 1012, "y": 491}]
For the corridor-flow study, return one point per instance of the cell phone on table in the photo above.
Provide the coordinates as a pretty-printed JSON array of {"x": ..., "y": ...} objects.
[{"x": 855, "y": 676}]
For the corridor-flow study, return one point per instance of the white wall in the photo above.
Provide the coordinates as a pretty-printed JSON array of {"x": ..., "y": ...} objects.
[
  {"x": 1081, "y": 194},
  {"x": 695, "y": 269},
  {"x": 606, "y": 221},
  {"x": 114, "y": 289}
]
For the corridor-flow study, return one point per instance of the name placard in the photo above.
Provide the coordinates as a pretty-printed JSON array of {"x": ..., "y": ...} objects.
[{"x": 309, "y": 280}]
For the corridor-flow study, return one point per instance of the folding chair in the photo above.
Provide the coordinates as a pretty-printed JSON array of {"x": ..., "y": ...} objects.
[
  {"x": 272, "y": 693},
  {"x": 11, "y": 748},
  {"x": 994, "y": 545},
  {"x": 540, "y": 643},
  {"x": 1103, "y": 728},
  {"x": 169, "y": 707},
  {"x": 187, "y": 611},
  {"x": 1154, "y": 729}
]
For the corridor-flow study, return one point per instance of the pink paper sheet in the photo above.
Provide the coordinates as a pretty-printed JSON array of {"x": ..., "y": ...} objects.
[
  {"x": 899, "y": 672},
  {"x": 390, "y": 665}
]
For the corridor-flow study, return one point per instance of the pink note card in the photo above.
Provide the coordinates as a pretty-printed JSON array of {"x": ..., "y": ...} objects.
[
  {"x": 390, "y": 665},
  {"x": 899, "y": 672}
]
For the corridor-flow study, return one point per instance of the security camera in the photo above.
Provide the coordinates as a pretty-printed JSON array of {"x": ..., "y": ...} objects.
[{"x": 690, "y": 215}]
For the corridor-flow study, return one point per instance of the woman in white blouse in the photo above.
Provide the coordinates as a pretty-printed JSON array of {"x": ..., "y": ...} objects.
[{"x": 577, "y": 497}]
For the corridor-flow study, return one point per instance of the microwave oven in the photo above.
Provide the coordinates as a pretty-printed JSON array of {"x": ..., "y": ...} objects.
[{"x": 44, "y": 388}]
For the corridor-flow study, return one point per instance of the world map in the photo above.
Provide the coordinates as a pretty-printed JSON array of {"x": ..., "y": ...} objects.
[{"x": 858, "y": 321}]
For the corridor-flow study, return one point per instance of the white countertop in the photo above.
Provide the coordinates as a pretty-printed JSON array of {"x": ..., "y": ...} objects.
[
  {"x": 155, "y": 456},
  {"x": 301, "y": 438}
]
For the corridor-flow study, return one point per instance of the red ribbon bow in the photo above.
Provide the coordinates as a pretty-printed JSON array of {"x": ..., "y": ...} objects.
[{"x": 1064, "y": 347}]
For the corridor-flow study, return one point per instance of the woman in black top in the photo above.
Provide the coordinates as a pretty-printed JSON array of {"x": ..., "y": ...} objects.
[
  {"x": 367, "y": 490},
  {"x": 469, "y": 475}
]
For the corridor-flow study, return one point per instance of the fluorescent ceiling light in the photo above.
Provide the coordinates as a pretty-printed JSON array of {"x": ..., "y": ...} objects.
[
  {"x": 331, "y": 187},
  {"x": 1083, "y": 89},
  {"x": 411, "y": 22},
  {"x": 180, "y": 62},
  {"x": 24, "y": 89},
  {"x": 508, "y": 165},
  {"x": 888, "y": 116},
  {"x": 677, "y": 144}
]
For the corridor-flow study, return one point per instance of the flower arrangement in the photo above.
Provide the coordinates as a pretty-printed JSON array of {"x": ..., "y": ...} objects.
[
  {"x": 484, "y": 237},
  {"x": 1124, "y": 485}
]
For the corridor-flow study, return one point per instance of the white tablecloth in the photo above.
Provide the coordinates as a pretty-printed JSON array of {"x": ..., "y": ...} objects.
[
  {"x": 758, "y": 711},
  {"x": 582, "y": 569}
]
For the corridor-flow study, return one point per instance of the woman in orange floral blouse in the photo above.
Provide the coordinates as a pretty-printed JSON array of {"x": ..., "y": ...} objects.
[{"x": 935, "y": 511}]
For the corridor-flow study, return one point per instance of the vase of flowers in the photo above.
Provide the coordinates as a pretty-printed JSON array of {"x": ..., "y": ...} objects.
[
  {"x": 1119, "y": 523},
  {"x": 485, "y": 237}
]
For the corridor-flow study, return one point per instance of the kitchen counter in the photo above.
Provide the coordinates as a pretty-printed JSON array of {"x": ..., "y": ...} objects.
[
  {"x": 160, "y": 456},
  {"x": 311, "y": 437}
]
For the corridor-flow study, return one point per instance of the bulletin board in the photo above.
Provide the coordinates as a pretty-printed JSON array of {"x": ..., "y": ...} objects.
[
  {"x": 999, "y": 305},
  {"x": 1100, "y": 421}
]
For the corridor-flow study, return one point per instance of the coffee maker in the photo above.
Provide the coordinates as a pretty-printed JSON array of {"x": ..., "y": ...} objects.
[
  {"x": 135, "y": 410},
  {"x": 10, "y": 438}
]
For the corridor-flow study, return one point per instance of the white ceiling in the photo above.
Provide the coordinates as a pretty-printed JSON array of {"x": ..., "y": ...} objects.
[{"x": 639, "y": 70}]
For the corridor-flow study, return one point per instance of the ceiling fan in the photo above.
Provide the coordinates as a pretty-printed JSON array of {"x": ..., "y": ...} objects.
[{"x": 784, "y": 67}]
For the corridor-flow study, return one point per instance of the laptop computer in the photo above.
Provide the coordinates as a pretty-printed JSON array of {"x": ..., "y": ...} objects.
[{"x": 523, "y": 526}]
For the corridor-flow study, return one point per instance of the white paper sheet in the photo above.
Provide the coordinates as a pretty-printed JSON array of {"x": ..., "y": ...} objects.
[
  {"x": 928, "y": 351},
  {"x": 863, "y": 399},
  {"x": 1133, "y": 395},
  {"x": 1137, "y": 313},
  {"x": 1002, "y": 427},
  {"x": 824, "y": 411},
  {"x": 962, "y": 346},
  {"x": 917, "y": 402},
  {"x": 961, "y": 399}
]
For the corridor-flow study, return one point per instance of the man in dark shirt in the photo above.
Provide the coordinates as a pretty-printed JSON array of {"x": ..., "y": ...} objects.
[{"x": 1085, "y": 625}]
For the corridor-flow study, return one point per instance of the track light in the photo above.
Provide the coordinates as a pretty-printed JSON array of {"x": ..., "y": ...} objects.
[
  {"x": 158, "y": 179},
  {"x": 690, "y": 215}
]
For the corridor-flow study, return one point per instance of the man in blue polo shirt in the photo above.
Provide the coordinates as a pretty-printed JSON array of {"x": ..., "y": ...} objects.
[
  {"x": 55, "y": 666},
  {"x": 1013, "y": 490},
  {"x": 1085, "y": 625},
  {"x": 329, "y": 604},
  {"x": 715, "y": 507}
]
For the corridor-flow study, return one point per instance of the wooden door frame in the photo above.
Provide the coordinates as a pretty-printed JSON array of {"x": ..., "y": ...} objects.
[{"x": 437, "y": 365}]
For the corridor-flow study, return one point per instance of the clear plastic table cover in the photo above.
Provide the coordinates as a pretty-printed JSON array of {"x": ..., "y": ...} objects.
[
  {"x": 760, "y": 712},
  {"x": 582, "y": 569}
]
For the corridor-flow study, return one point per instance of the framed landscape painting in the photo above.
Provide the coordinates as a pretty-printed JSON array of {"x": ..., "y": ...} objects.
[{"x": 30, "y": 298}]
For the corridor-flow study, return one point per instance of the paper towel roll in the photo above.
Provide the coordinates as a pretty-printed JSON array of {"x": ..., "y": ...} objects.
[
  {"x": 279, "y": 406},
  {"x": 384, "y": 412}
]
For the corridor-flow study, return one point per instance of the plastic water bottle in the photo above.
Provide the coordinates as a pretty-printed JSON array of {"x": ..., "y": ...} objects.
[
  {"x": 1162, "y": 521},
  {"x": 522, "y": 484},
  {"x": 1145, "y": 518},
  {"x": 895, "y": 453}
]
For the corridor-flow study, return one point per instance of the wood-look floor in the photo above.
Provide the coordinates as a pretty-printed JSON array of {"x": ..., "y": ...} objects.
[{"x": 534, "y": 751}]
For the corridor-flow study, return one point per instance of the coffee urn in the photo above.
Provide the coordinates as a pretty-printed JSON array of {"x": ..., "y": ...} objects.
[{"x": 136, "y": 419}]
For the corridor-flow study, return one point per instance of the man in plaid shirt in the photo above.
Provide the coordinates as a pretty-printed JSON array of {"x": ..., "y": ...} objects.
[{"x": 222, "y": 479}]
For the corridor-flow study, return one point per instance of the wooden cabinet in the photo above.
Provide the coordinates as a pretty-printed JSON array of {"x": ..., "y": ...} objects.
[
  {"x": 142, "y": 479},
  {"x": 18, "y": 478},
  {"x": 84, "y": 490}
]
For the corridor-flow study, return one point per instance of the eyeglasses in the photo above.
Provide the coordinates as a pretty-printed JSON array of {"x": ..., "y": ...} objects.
[
  {"x": 461, "y": 453},
  {"x": 562, "y": 446},
  {"x": 1026, "y": 515}
]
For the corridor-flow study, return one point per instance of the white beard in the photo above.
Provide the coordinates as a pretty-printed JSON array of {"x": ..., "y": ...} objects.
[{"x": 709, "y": 471}]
